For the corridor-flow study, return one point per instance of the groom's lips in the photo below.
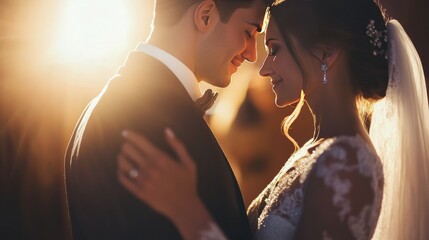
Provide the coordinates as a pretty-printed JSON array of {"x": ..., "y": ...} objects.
[{"x": 236, "y": 63}]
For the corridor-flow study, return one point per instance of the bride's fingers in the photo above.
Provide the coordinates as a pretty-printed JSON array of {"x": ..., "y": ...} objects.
[
  {"x": 131, "y": 186},
  {"x": 180, "y": 149},
  {"x": 152, "y": 154},
  {"x": 143, "y": 144},
  {"x": 138, "y": 173},
  {"x": 135, "y": 157},
  {"x": 125, "y": 167}
]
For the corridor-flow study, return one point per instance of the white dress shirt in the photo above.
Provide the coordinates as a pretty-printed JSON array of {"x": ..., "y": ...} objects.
[{"x": 182, "y": 72}]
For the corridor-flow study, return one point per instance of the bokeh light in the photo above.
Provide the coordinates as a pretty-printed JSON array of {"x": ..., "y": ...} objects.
[{"x": 92, "y": 30}]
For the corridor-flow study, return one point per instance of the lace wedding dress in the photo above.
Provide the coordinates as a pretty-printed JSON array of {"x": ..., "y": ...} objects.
[{"x": 344, "y": 175}]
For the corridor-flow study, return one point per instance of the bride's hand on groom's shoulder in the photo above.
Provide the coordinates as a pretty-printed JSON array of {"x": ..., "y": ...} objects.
[{"x": 167, "y": 185}]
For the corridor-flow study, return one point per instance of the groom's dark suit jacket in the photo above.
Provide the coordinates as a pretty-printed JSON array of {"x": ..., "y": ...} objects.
[{"x": 146, "y": 97}]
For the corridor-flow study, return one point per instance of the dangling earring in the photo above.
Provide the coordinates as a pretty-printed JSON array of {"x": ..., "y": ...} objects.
[{"x": 325, "y": 69}]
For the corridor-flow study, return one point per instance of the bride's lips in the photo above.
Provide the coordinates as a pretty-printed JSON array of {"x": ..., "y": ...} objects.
[{"x": 275, "y": 82}]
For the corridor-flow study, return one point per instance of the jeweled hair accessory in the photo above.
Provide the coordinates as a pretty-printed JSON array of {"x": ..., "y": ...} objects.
[{"x": 378, "y": 39}]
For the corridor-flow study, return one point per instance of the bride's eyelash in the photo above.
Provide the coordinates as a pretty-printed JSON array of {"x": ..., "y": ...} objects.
[{"x": 272, "y": 51}]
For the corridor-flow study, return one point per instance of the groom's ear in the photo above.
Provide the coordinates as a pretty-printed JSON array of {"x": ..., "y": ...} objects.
[{"x": 205, "y": 15}]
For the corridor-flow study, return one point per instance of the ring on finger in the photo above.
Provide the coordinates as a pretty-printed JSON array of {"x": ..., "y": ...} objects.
[{"x": 133, "y": 173}]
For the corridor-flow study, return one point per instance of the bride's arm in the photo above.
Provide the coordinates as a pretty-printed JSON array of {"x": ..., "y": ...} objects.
[{"x": 166, "y": 184}]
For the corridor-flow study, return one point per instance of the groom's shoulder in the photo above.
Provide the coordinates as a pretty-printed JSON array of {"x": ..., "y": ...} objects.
[{"x": 138, "y": 63}]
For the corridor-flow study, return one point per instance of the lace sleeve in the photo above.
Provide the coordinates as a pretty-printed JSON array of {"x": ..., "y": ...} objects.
[{"x": 341, "y": 195}]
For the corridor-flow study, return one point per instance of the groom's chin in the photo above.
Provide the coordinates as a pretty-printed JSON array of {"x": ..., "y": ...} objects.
[
  {"x": 225, "y": 83},
  {"x": 221, "y": 83}
]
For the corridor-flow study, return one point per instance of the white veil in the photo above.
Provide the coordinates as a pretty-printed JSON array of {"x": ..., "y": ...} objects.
[{"x": 400, "y": 133}]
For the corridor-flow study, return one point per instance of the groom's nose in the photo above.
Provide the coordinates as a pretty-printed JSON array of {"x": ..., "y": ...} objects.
[{"x": 249, "y": 52}]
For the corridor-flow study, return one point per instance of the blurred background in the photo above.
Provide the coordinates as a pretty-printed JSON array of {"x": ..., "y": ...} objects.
[{"x": 56, "y": 55}]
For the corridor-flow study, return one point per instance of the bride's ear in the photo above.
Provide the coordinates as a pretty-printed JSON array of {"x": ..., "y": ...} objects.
[
  {"x": 205, "y": 14},
  {"x": 329, "y": 54}
]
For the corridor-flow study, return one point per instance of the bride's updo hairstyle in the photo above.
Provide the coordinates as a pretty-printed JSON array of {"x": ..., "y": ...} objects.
[{"x": 357, "y": 27}]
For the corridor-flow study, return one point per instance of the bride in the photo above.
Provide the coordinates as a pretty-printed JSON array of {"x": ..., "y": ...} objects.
[{"x": 341, "y": 57}]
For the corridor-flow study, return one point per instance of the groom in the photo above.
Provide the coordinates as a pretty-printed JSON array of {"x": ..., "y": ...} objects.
[{"x": 192, "y": 41}]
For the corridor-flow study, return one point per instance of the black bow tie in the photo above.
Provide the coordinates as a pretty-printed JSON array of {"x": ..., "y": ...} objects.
[{"x": 206, "y": 101}]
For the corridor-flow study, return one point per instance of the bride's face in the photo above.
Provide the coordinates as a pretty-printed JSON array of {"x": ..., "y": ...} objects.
[{"x": 280, "y": 65}]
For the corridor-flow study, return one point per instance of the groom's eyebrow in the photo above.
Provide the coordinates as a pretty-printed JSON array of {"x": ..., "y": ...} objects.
[{"x": 258, "y": 28}]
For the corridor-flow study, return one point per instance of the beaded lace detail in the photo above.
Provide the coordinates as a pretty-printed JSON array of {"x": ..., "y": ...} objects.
[{"x": 278, "y": 211}]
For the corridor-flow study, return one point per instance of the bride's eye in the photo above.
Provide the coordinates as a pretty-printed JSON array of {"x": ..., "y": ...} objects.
[{"x": 272, "y": 51}]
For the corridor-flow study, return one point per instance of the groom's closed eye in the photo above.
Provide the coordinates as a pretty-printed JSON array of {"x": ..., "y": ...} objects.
[
  {"x": 248, "y": 34},
  {"x": 251, "y": 30},
  {"x": 255, "y": 27}
]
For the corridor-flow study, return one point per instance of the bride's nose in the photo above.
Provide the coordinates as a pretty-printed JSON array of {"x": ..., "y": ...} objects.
[{"x": 266, "y": 69}]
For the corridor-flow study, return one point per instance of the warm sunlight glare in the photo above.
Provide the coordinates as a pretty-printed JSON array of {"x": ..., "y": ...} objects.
[{"x": 91, "y": 30}]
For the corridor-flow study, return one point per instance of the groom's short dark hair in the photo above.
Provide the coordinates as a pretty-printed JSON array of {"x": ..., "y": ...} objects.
[{"x": 168, "y": 12}]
